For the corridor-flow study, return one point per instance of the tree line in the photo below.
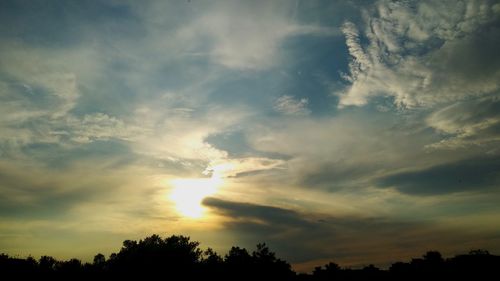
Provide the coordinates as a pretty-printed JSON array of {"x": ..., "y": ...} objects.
[{"x": 179, "y": 258}]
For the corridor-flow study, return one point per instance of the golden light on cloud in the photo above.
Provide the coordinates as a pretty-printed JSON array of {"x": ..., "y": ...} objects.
[{"x": 187, "y": 194}]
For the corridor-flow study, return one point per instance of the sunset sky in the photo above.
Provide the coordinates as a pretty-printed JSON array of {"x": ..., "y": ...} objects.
[{"x": 349, "y": 131}]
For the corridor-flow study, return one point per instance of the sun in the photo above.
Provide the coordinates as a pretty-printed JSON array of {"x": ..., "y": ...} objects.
[{"x": 188, "y": 194}]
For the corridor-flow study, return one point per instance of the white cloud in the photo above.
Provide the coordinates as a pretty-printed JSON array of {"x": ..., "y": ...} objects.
[
  {"x": 290, "y": 106},
  {"x": 40, "y": 94},
  {"x": 467, "y": 123},
  {"x": 98, "y": 126},
  {"x": 360, "y": 61},
  {"x": 244, "y": 35},
  {"x": 342, "y": 152},
  {"x": 423, "y": 53},
  {"x": 40, "y": 84},
  {"x": 237, "y": 166}
]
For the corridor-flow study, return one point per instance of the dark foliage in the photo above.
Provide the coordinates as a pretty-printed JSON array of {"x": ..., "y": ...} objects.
[{"x": 179, "y": 258}]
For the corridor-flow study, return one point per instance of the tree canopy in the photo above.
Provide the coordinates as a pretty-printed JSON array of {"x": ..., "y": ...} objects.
[{"x": 179, "y": 258}]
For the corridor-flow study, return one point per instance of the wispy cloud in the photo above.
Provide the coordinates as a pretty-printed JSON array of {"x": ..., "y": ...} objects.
[
  {"x": 468, "y": 123},
  {"x": 245, "y": 36},
  {"x": 415, "y": 53},
  {"x": 290, "y": 106}
]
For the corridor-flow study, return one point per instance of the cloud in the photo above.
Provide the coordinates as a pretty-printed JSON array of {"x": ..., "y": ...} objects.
[
  {"x": 469, "y": 175},
  {"x": 338, "y": 175},
  {"x": 180, "y": 136},
  {"x": 35, "y": 83},
  {"x": 136, "y": 71},
  {"x": 343, "y": 152},
  {"x": 288, "y": 105},
  {"x": 67, "y": 131},
  {"x": 236, "y": 167},
  {"x": 474, "y": 122},
  {"x": 360, "y": 62},
  {"x": 98, "y": 126},
  {"x": 267, "y": 214},
  {"x": 245, "y": 36},
  {"x": 302, "y": 237},
  {"x": 93, "y": 203},
  {"x": 423, "y": 53},
  {"x": 44, "y": 194},
  {"x": 282, "y": 229},
  {"x": 118, "y": 93},
  {"x": 41, "y": 92}
]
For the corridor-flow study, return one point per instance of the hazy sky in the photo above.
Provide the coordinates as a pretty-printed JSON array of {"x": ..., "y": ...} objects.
[{"x": 353, "y": 131}]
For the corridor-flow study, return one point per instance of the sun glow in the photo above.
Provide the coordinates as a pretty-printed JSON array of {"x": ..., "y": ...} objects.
[{"x": 187, "y": 194}]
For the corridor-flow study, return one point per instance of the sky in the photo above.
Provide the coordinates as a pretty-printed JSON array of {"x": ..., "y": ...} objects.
[{"x": 350, "y": 131}]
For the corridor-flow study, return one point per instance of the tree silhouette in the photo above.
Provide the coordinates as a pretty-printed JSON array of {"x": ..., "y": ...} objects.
[
  {"x": 267, "y": 265},
  {"x": 331, "y": 271},
  {"x": 175, "y": 255},
  {"x": 99, "y": 260},
  {"x": 47, "y": 264},
  {"x": 179, "y": 258}
]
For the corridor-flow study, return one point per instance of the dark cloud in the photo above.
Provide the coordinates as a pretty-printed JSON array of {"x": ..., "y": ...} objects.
[
  {"x": 293, "y": 234},
  {"x": 301, "y": 237},
  {"x": 268, "y": 214},
  {"x": 466, "y": 175}
]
